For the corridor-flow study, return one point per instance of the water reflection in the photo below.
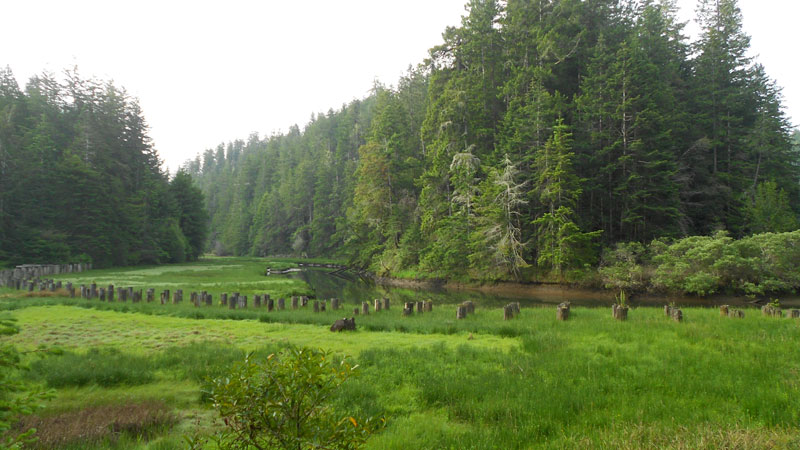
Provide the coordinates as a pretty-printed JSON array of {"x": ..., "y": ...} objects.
[{"x": 352, "y": 289}]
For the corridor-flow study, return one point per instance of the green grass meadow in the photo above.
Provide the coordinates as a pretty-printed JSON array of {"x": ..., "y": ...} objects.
[{"x": 136, "y": 372}]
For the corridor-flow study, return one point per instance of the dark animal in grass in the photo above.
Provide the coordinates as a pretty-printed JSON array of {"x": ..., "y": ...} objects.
[{"x": 344, "y": 324}]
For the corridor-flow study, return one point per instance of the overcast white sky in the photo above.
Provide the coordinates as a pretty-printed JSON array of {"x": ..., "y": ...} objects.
[{"x": 210, "y": 72}]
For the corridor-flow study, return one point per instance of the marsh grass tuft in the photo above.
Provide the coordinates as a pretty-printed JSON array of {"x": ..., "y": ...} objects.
[{"x": 99, "y": 425}]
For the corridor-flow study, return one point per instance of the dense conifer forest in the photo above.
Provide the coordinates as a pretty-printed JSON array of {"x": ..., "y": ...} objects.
[
  {"x": 80, "y": 180},
  {"x": 538, "y": 133}
]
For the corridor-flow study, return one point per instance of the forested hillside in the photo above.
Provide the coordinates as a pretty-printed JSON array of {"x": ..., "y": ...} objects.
[
  {"x": 538, "y": 133},
  {"x": 81, "y": 181}
]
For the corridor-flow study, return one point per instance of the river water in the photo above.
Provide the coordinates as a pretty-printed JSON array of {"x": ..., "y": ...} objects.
[{"x": 353, "y": 289}]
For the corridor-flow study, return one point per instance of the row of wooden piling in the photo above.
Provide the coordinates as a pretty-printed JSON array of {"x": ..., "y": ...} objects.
[{"x": 18, "y": 277}]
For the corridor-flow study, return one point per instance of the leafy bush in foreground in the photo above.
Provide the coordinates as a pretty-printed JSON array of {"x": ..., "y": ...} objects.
[{"x": 283, "y": 402}]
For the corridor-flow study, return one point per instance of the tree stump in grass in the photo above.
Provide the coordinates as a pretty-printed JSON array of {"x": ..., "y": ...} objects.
[
  {"x": 736, "y": 313},
  {"x": 304, "y": 301},
  {"x": 794, "y": 313},
  {"x": 101, "y": 294},
  {"x": 281, "y": 303},
  {"x": 270, "y": 304},
  {"x": 365, "y": 308},
  {"x": 470, "y": 306},
  {"x": 420, "y": 307},
  {"x": 316, "y": 306},
  {"x": 668, "y": 310},
  {"x": 256, "y": 301},
  {"x": 110, "y": 292},
  {"x": 408, "y": 311},
  {"x": 223, "y": 299},
  {"x": 620, "y": 312},
  {"x": 356, "y": 311},
  {"x": 232, "y": 301},
  {"x": 151, "y": 295},
  {"x": 193, "y": 298},
  {"x": 322, "y": 306},
  {"x": 377, "y": 304},
  {"x": 723, "y": 310},
  {"x": 428, "y": 306},
  {"x": 130, "y": 293},
  {"x": 334, "y": 303},
  {"x": 461, "y": 312},
  {"x": 295, "y": 301},
  {"x": 243, "y": 301},
  {"x": 508, "y": 312},
  {"x": 771, "y": 311},
  {"x": 676, "y": 314},
  {"x": 562, "y": 311},
  {"x": 209, "y": 299},
  {"x": 516, "y": 308},
  {"x": 386, "y": 303},
  {"x": 165, "y": 297},
  {"x": 71, "y": 291},
  {"x": 83, "y": 291}
]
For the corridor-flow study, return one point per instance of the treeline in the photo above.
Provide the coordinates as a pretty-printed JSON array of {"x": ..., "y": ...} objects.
[
  {"x": 80, "y": 180},
  {"x": 538, "y": 133}
]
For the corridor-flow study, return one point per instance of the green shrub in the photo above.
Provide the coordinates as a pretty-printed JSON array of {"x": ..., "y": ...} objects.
[{"x": 283, "y": 402}]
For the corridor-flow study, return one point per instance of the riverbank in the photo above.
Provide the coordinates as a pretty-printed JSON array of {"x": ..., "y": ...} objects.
[{"x": 556, "y": 293}]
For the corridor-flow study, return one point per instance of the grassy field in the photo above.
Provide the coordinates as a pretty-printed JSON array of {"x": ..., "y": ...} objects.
[{"x": 132, "y": 375}]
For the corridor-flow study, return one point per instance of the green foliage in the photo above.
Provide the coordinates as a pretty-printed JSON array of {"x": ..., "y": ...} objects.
[
  {"x": 770, "y": 210},
  {"x": 80, "y": 179},
  {"x": 18, "y": 396},
  {"x": 283, "y": 402},
  {"x": 663, "y": 134},
  {"x": 621, "y": 267}
]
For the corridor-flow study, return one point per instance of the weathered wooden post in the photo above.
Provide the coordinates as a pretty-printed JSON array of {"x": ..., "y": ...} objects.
[
  {"x": 356, "y": 311},
  {"x": 386, "y": 303},
  {"x": 316, "y": 306},
  {"x": 223, "y": 299},
  {"x": 470, "y": 306},
  {"x": 281, "y": 304},
  {"x": 83, "y": 291},
  {"x": 110, "y": 292},
  {"x": 270, "y": 304},
  {"x": 256, "y": 301},
  {"x": 508, "y": 312},
  {"x": 461, "y": 312},
  {"x": 322, "y": 306},
  {"x": 193, "y": 299},
  {"x": 378, "y": 304},
  {"x": 233, "y": 301},
  {"x": 101, "y": 294},
  {"x": 71, "y": 291},
  {"x": 668, "y": 310},
  {"x": 794, "y": 313},
  {"x": 130, "y": 293},
  {"x": 151, "y": 295},
  {"x": 304, "y": 301},
  {"x": 243, "y": 301},
  {"x": 420, "y": 307},
  {"x": 736, "y": 313},
  {"x": 295, "y": 301},
  {"x": 165, "y": 296},
  {"x": 677, "y": 314},
  {"x": 723, "y": 310},
  {"x": 209, "y": 299},
  {"x": 408, "y": 311},
  {"x": 365, "y": 308},
  {"x": 94, "y": 290},
  {"x": 334, "y": 303},
  {"x": 562, "y": 311},
  {"x": 515, "y": 305},
  {"x": 620, "y": 312}
]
